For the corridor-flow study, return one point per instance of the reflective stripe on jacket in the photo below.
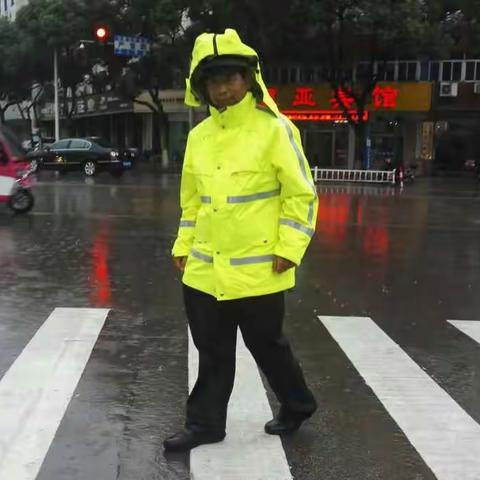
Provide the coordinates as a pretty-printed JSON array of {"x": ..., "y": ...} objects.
[{"x": 246, "y": 195}]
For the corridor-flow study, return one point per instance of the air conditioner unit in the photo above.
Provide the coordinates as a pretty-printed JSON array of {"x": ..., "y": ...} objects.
[
  {"x": 448, "y": 89},
  {"x": 476, "y": 88}
]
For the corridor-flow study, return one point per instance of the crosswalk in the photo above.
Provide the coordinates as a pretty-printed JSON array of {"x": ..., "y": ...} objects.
[
  {"x": 37, "y": 389},
  {"x": 446, "y": 437}
]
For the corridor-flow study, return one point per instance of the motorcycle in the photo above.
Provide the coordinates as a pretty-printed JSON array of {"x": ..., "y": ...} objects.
[{"x": 15, "y": 175}]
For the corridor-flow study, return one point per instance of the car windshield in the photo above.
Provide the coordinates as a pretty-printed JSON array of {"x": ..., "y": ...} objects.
[{"x": 13, "y": 142}]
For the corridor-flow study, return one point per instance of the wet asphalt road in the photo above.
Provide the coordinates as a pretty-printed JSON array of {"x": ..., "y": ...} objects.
[{"x": 409, "y": 260}]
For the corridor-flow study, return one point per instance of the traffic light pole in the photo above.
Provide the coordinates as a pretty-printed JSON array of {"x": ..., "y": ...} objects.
[{"x": 57, "y": 103}]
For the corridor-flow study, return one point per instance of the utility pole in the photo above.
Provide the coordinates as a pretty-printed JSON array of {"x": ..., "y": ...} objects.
[{"x": 57, "y": 103}]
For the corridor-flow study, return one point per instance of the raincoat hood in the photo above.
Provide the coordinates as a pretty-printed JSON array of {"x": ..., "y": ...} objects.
[{"x": 210, "y": 47}]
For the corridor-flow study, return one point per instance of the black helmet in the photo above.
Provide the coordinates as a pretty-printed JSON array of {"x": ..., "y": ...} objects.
[{"x": 216, "y": 64}]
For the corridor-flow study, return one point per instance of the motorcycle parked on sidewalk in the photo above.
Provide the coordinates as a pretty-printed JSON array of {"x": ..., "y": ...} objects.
[{"x": 15, "y": 174}]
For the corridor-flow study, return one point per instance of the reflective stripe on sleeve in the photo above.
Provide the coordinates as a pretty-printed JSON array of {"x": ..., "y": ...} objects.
[
  {"x": 254, "y": 196},
  {"x": 310, "y": 212},
  {"x": 205, "y": 199},
  {"x": 301, "y": 161},
  {"x": 251, "y": 260},
  {"x": 290, "y": 223},
  {"x": 201, "y": 256},
  {"x": 188, "y": 223}
]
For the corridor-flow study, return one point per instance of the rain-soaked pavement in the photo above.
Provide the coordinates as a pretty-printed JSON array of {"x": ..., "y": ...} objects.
[{"x": 409, "y": 260}]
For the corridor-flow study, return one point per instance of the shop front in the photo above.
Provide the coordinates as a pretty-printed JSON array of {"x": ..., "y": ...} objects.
[{"x": 394, "y": 120}]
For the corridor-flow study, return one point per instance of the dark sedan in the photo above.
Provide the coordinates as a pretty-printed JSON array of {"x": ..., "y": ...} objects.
[{"x": 84, "y": 154}]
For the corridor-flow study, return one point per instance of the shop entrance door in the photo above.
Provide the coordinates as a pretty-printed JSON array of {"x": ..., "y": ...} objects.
[{"x": 319, "y": 148}]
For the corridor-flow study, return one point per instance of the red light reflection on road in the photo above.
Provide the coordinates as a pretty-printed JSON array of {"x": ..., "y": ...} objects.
[
  {"x": 100, "y": 291},
  {"x": 336, "y": 212},
  {"x": 375, "y": 239},
  {"x": 333, "y": 211}
]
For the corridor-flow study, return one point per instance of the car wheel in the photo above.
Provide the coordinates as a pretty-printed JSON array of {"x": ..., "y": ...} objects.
[
  {"x": 90, "y": 168},
  {"x": 21, "y": 201}
]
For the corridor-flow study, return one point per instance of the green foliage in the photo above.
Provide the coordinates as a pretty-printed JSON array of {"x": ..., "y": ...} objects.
[{"x": 53, "y": 23}]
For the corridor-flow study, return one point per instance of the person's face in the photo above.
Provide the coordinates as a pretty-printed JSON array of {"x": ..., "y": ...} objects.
[{"x": 227, "y": 89}]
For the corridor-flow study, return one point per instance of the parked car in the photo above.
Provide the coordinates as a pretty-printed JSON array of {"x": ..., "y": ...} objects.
[
  {"x": 131, "y": 153},
  {"x": 82, "y": 154}
]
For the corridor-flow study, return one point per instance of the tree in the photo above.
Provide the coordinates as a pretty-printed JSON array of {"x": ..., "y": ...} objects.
[
  {"x": 57, "y": 25},
  {"x": 354, "y": 39},
  {"x": 19, "y": 69},
  {"x": 162, "y": 22}
]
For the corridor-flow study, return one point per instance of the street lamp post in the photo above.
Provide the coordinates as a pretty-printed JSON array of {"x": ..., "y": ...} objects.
[{"x": 56, "y": 102}]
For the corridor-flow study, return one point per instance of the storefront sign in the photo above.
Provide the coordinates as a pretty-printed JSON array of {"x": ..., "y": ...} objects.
[
  {"x": 322, "y": 103},
  {"x": 102, "y": 104},
  {"x": 322, "y": 115}
]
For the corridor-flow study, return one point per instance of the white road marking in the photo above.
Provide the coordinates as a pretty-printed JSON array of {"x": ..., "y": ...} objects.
[
  {"x": 247, "y": 452},
  {"x": 446, "y": 437},
  {"x": 470, "y": 328},
  {"x": 36, "y": 390}
]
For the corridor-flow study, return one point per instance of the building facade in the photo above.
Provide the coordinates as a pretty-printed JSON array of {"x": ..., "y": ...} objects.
[
  {"x": 9, "y": 8},
  {"x": 422, "y": 113}
]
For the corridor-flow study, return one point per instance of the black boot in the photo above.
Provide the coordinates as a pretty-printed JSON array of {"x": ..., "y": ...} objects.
[
  {"x": 285, "y": 423},
  {"x": 188, "y": 439}
]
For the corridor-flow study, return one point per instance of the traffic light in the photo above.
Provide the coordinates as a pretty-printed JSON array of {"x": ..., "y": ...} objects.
[{"x": 102, "y": 33}]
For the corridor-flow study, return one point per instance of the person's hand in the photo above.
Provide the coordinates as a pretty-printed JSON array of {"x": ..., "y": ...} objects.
[
  {"x": 281, "y": 264},
  {"x": 180, "y": 263}
]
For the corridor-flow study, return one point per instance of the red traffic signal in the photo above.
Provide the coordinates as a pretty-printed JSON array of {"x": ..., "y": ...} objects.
[{"x": 102, "y": 33}]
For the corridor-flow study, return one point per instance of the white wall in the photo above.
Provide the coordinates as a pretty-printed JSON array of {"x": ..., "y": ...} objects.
[{"x": 11, "y": 9}]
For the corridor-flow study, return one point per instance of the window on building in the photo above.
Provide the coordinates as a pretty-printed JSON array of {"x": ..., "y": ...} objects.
[
  {"x": 451, "y": 71},
  {"x": 407, "y": 71},
  {"x": 284, "y": 75},
  {"x": 470, "y": 71},
  {"x": 457, "y": 71},
  {"x": 363, "y": 70},
  {"x": 446, "y": 71},
  {"x": 424, "y": 71},
  {"x": 307, "y": 75},
  {"x": 412, "y": 71},
  {"x": 434, "y": 71},
  {"x": 293, "y": 74},
  {"x": 386, "y": 71}
]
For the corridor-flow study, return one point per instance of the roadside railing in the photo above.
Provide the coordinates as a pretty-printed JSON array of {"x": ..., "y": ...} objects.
[{"x": 356, "y": 176}]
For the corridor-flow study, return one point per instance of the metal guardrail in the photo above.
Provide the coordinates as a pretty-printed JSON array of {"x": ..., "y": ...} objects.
[{"x": 357, "y": 176}]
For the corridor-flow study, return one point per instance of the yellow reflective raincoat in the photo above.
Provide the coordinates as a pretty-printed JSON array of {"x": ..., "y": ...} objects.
[{"x": 246, "y": 192}]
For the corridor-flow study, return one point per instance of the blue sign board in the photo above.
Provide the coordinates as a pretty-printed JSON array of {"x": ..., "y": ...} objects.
[{"x": 131, "y": 46}]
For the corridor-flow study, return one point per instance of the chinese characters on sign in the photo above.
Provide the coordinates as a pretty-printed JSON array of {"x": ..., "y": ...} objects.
[
  {"x": 304, "y": 97},
  {"x": 383, "y": 97},
  {"x": 342, "y": 99}
]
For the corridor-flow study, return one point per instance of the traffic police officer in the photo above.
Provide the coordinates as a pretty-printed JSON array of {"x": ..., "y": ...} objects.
[{"x": 249, "y": 209}]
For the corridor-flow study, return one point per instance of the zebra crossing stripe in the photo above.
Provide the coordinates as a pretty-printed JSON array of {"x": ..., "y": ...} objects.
[
  {"x": 470, "y": 328},
  {"x": 36, "y": 390},
  {"x": 445, "y": 436},
  {"x": 246, "y": 452}
]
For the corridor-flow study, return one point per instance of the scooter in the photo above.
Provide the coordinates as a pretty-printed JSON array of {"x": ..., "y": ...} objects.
[{"x": 15, "y": 175}]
